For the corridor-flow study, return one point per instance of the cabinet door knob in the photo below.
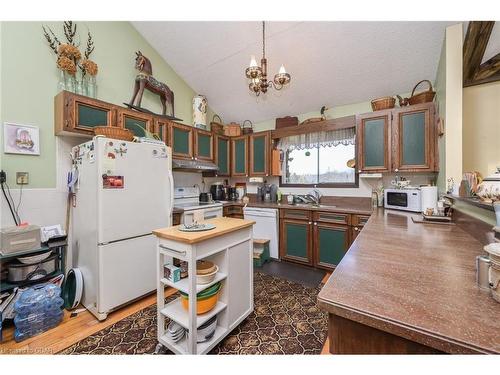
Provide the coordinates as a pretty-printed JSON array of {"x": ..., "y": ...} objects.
[
  {"x": 310, "y": 222},
  {"x": 356, "y": 229},
  {"x": 396, "y": 170},
  {"x": 315, "y": 223}
]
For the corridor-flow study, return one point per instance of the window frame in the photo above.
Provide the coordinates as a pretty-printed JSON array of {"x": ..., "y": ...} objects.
[{"x": 354, "y": 184}]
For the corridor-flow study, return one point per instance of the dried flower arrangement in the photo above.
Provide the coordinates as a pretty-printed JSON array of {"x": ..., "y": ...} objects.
[{"x": 69, "y": 56}]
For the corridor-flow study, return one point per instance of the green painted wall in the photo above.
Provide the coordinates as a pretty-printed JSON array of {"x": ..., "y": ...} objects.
[{"x": 29, "y": 79}]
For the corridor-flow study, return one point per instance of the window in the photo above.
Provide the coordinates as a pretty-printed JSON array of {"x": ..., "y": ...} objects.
[{"x": 320, "y": 165}]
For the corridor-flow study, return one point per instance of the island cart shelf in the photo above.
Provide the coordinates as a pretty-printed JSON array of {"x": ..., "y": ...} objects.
[{"x": 229, "y": 246}]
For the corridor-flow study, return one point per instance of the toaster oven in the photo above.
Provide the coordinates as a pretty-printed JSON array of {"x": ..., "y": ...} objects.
[{"x": 403, "y": 199}]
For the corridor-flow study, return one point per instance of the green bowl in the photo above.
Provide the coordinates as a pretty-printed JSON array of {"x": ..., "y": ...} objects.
[{"x": 209, "y": 292}]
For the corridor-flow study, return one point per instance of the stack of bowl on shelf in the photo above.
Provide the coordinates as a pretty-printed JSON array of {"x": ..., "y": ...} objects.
[
  {"x": 205, "y": 300},
  {"x": 205, "y": 272}
]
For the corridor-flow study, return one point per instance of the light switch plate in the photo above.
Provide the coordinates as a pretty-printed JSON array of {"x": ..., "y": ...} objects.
[{"x": 22, "y": 178}]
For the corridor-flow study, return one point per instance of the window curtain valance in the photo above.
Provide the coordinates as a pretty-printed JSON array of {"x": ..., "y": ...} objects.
[{"x": 328, "y": 138}]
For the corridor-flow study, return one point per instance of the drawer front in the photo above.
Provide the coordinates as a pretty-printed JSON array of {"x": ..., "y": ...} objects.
[
  {"x": 359, "y": 220},
  {"x": 296, "y": 214},
  {"x": 332, "y": 217}
]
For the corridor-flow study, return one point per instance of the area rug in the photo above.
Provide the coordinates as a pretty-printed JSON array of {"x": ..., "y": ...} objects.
[{"x": 286, "y": 320}]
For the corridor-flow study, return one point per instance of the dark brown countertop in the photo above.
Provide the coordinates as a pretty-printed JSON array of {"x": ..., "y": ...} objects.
[
  {"x": 353, "y": 206},
  {"x": 416, "y": 281}
]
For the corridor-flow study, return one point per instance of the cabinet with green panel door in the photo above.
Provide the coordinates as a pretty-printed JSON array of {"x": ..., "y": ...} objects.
[
  {"x": 374, "y": 141},
  {"x": 203, "y": 145},
  {"x": 139, "y": 123},
  {"x": 79, "y": 115},
  {"x": 161, "y": 130},
  {"x": 181, "y": 140},
  {"x": 296, "y": 236},
  {"x": 223, "y": 155},
  {"x": 330, "y": 243},
  {"x": 398, "y": 140},
  {"x": 259, "y": 147},
  {"x": 239, "y": 156},
  {"x": 415, "y": 141}
]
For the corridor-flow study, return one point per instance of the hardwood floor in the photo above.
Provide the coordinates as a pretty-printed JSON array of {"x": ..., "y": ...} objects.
[{"x": 71, "y": 330}]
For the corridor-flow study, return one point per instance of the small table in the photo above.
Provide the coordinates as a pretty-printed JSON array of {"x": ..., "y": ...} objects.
[{"x": 230, "y": 247}]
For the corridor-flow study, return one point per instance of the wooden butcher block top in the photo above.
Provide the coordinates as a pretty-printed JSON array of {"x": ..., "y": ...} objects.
[{"x": 223, "y": 225}]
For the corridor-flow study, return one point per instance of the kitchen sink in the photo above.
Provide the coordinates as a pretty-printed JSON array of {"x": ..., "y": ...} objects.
[{"x": 314, "y": 205}]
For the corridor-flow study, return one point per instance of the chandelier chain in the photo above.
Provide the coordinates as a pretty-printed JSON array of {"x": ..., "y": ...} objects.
[{"x": 263, "y": 39}]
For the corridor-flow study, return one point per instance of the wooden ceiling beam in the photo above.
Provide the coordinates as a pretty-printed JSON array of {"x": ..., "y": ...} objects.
[
  {"x": 488, "y": 68},
  {"x": 476, "y": 40}
]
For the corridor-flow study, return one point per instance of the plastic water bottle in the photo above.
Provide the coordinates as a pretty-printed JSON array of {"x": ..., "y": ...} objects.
[{"x": 37, "y": 310}]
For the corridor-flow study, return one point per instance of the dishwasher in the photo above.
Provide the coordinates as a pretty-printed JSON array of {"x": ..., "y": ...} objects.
[{"x": 266, "y": 226}]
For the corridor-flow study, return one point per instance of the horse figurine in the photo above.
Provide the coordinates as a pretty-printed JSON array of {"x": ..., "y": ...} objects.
[{"x": 145, "y": 80}]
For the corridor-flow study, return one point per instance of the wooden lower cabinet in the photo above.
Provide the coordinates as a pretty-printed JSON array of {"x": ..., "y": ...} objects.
[
  {"x": 296, "y": 241},
  {"x": 330, "y": 243},
  {"x": 233, "y": 211}
]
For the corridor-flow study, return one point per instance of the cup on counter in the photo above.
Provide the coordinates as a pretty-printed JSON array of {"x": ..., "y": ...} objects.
[{"x": 289, "y": 198}]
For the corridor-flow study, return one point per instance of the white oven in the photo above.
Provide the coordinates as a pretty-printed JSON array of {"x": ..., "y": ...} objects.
[
  {"x": 186, "y": 199},
  {"x": 200, "y": 214},
  {"x": 403, "y": 199}
]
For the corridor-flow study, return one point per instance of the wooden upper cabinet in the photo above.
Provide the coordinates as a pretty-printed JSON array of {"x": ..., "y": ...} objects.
[
  {"x": 78, "y": 115},
  {"x": 239, "y": 156},
  {"x": 259, "y": 157},
  {"x": 223, "y": 155},
  {"x": 374, "y": 141},
  {"x": 181, "y": 140},
  {"x": 161, "y": 130},
  {"x": 203, "y": 145},
  {"x": 137, "y": 122},
  {"x": 414, "y": 139}
]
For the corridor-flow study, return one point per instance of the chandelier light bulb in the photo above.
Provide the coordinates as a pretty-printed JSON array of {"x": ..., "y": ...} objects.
[
  {"x": 282, "y": 69},
  {"x": 253, "y": 62}
]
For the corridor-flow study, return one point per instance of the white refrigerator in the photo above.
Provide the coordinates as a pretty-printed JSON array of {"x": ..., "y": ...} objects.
[{"x": 123, "y": 192}]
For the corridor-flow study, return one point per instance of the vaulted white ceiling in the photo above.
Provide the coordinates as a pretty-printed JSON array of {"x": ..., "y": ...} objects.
[{"x": 331, "y": 63}]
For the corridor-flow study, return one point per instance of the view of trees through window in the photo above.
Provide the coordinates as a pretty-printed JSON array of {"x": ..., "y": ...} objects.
[{"x": 323, "y": 165}]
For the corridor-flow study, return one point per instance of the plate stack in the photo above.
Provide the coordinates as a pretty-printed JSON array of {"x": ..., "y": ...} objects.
[{"x": 175, "y": 331}]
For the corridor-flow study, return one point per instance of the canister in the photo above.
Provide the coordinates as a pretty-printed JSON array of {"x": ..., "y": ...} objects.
[
  {"x": 482, "y": 272},
  {"x": 200, "y": 111}
]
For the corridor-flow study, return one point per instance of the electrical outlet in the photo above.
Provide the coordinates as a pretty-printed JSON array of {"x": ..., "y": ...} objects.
[
  {"x": 3, "y": 177},
  {"x": 22, "y": 178}
]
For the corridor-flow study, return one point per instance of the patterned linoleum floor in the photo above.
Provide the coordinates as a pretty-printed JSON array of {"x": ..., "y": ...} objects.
[{"x": 286, "y": 320}]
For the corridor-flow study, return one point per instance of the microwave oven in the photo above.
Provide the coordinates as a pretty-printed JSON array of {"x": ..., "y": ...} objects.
[{"x": 403, "y": 199}]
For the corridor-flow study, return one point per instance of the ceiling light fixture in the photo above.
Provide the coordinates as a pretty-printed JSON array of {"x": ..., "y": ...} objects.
[{"x": 258, "y": 74}]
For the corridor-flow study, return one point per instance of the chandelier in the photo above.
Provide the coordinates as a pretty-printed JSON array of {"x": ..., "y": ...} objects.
[{"x": 258, "y": 74}]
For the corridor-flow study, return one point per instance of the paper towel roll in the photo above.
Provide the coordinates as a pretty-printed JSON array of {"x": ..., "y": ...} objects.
[{"x": 429, "y": 197}]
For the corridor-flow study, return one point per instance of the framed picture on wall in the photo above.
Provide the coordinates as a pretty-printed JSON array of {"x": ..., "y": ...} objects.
[{"x": 21, "y": 139}]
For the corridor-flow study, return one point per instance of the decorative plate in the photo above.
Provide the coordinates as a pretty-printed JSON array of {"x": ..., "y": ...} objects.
[{"x": 196, "y": 228}]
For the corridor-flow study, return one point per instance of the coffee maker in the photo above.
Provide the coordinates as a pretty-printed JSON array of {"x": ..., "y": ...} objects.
[{"x": 218, "y": 192}]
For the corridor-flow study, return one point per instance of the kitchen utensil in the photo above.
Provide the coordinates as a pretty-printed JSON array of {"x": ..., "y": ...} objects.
[
  {"x": 205, "y": 197},
  {"x": 233, "y": 194},
  {"x": 195, "y": 227},
  {"x": 207, "y": 278},
  {"x": 205, "y": 300},
  {"x": 482, "y": 272},
  {"x": 33, "y": 259},
  {"x": 217, "y": 191},
  {"x": 204, "y": 267},
  {"x": 73, "y": 288},
  {"x": 494, "y": 280},
  {"x": 19, "y": 272},
  {"x": 493, "y": 249},
  {"x": 206, "y": 330}
]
